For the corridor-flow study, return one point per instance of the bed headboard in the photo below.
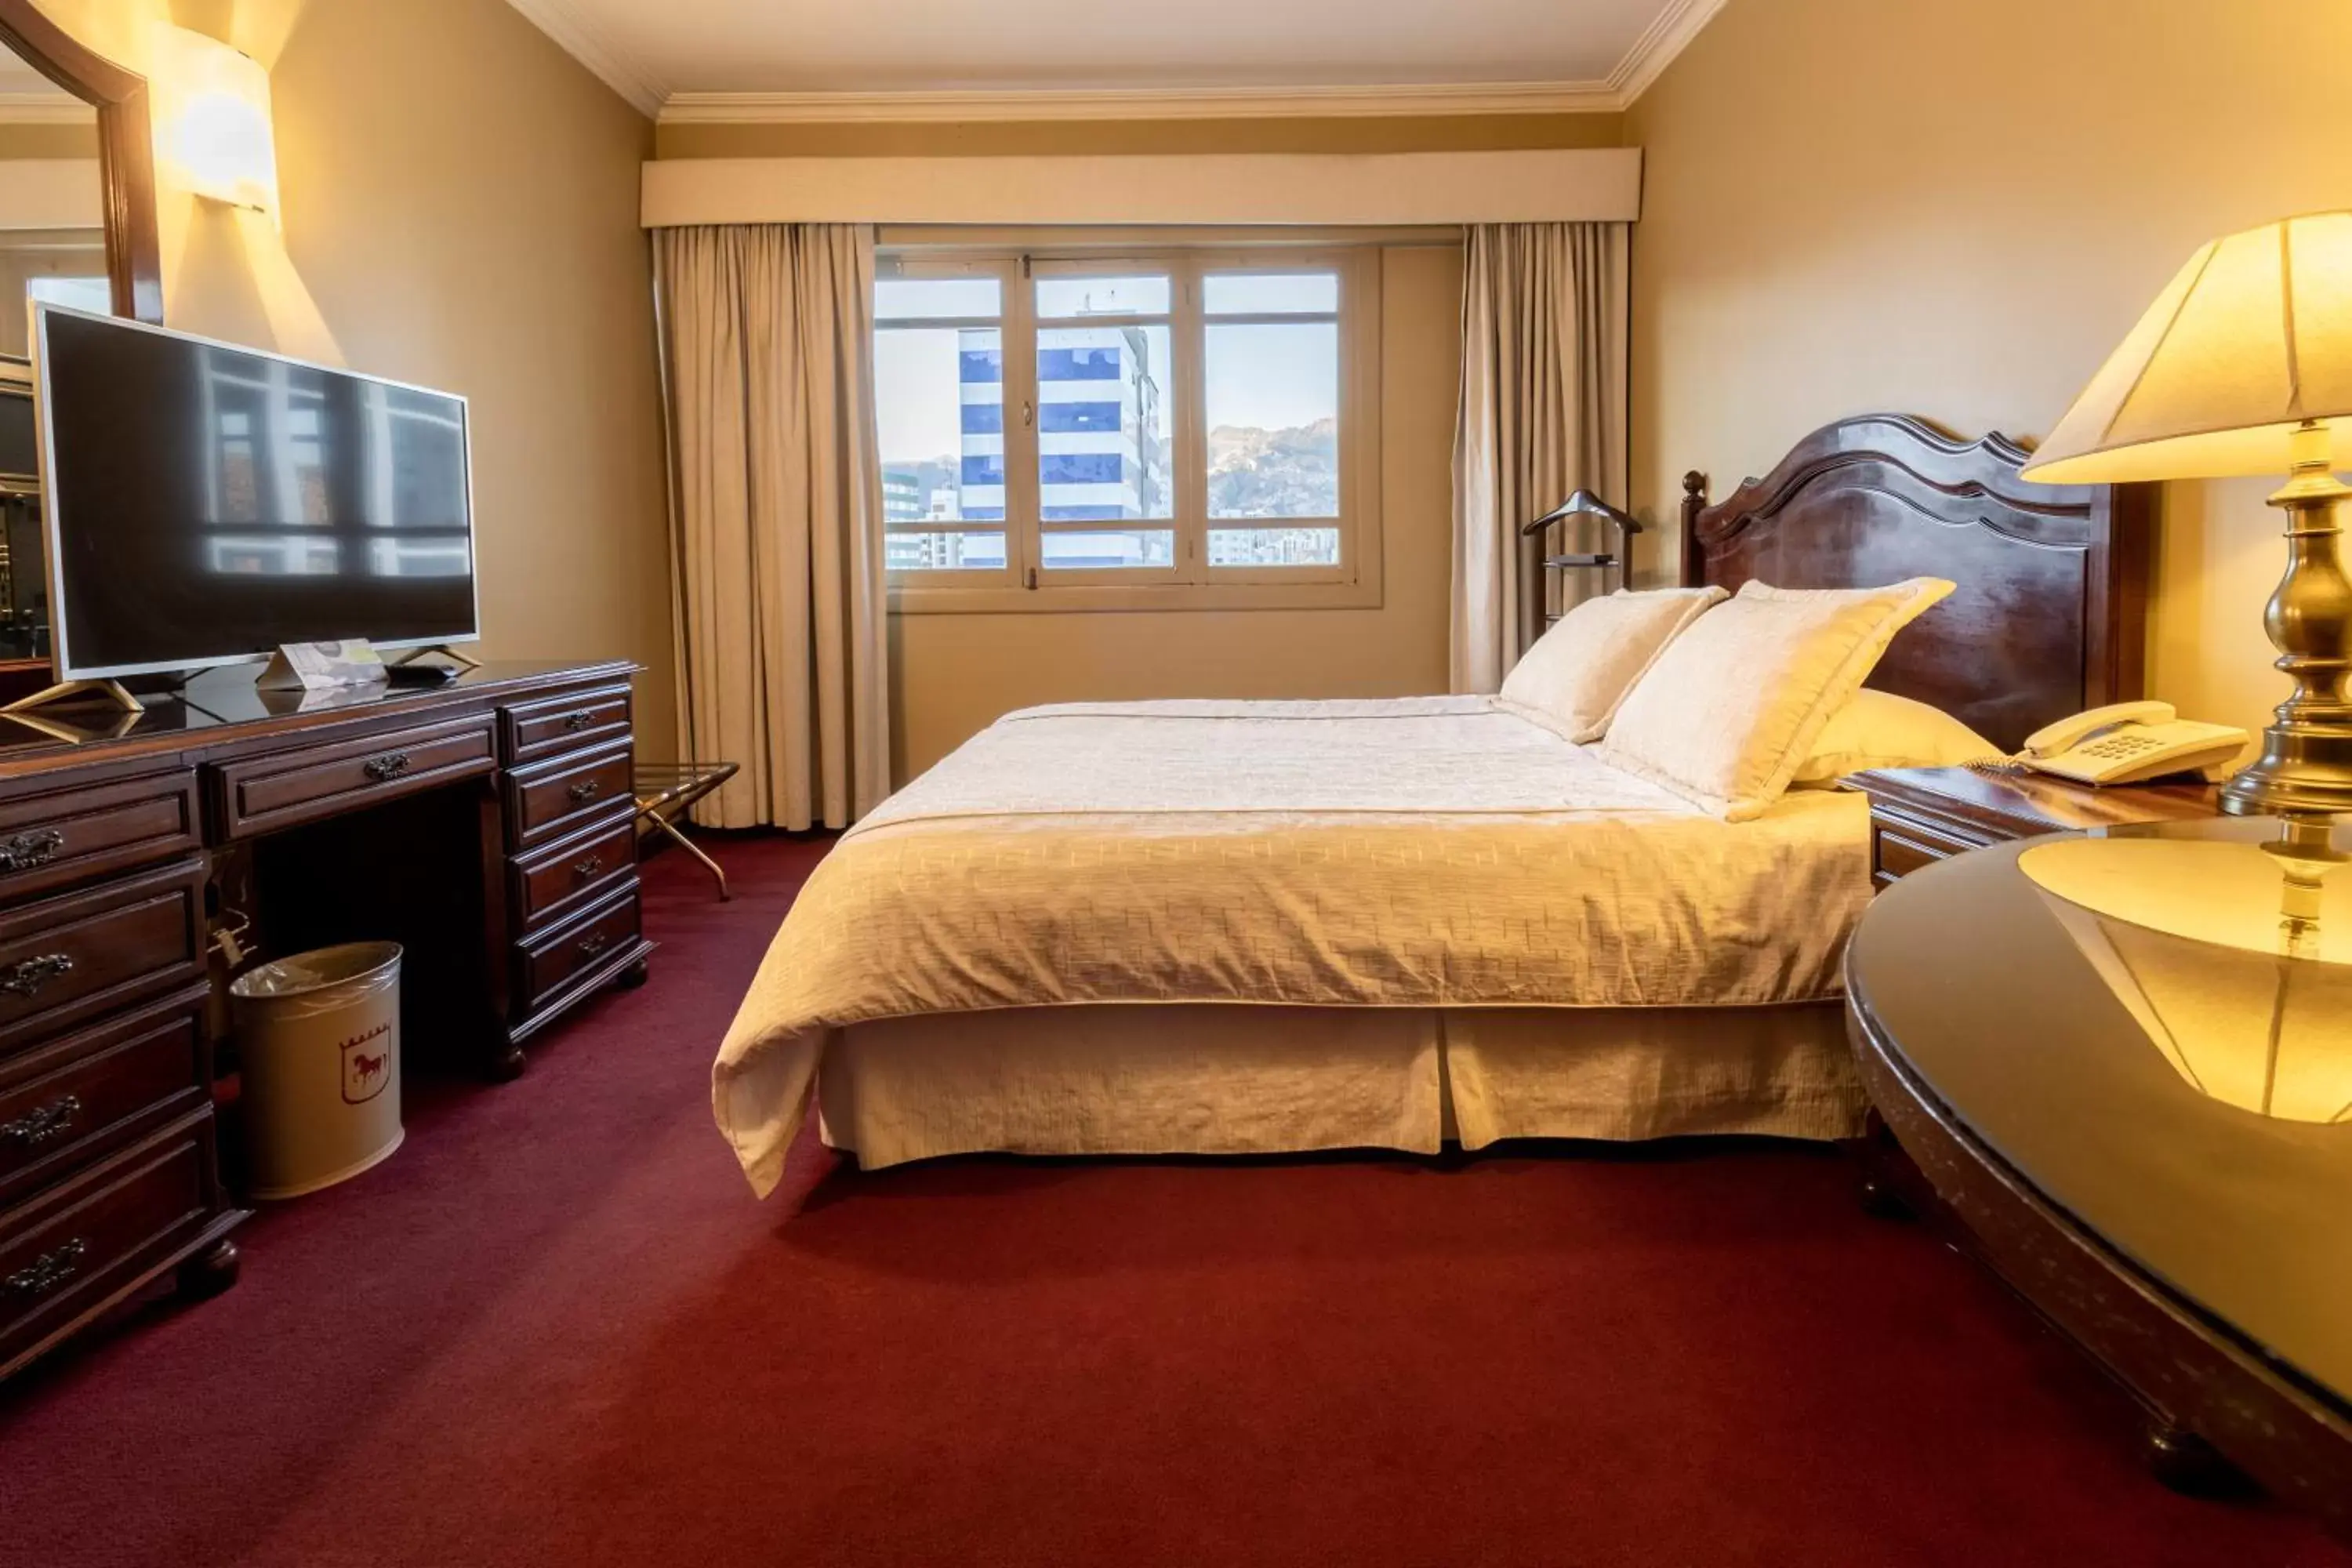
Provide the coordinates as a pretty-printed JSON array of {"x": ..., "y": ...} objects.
[{"x": 2051, "y": 614}]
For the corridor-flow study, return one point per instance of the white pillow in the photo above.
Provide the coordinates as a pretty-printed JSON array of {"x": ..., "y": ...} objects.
[
  {"x": 1734, "y": 705},
  {"x": 1578, "y": 672},
  {"x": 1880, "y": 729}
]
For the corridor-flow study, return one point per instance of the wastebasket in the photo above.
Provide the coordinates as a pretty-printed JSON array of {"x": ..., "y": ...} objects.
[{"x": 319, "y": 1038}]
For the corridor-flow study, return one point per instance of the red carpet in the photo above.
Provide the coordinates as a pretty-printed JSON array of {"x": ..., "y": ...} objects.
[{"x": 556, "y": 1329}]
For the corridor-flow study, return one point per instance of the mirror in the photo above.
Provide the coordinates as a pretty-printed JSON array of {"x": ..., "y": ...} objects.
[{"x": 77, "y": 227}]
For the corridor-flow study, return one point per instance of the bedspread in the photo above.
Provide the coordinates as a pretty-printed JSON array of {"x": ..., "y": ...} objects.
[{"x": 1434, "y": 852}]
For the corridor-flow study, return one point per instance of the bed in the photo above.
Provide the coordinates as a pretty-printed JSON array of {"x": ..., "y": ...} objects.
[{"x": 1230, "y": 928}]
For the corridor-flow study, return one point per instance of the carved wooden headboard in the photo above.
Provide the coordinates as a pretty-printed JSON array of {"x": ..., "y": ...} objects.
[{"x": 2051, "y": 614}]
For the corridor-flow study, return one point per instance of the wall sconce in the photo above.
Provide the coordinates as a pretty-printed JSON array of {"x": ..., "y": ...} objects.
[{"x": 212, "y": 131}]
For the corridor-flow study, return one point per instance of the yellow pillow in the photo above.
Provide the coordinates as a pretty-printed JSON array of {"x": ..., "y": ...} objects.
[
  {"x": 1734, "y": 705},
  {"x": 1880, "y": 729}
]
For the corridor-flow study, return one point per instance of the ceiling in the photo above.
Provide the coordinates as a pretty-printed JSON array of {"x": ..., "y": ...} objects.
[{"x": 942, "y": 58}]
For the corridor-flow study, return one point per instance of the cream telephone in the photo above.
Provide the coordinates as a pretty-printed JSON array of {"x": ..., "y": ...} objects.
[{"x": 2130, "y": 741}]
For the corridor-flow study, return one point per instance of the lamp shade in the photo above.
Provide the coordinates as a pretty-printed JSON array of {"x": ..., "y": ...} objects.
[{"x": 2252, "y": 338}]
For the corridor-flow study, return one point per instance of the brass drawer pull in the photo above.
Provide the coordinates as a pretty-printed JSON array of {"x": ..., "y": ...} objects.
[
  {"x": 26, "y": 978},
  {"x": 27, "y": 850},
  {"x": 45, "y": 1125},
  {"x": 588, "y": 867},
  {"x": 575, "y": 723},
  {"x": 49, "y": 1271},
  {"x": 586, "y": 789},
  {"x": 591, "y": 945},
  {"x": 389, "y": 766}
]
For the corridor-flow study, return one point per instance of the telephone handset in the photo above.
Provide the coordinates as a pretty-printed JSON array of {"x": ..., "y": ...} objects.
[{"x": 2130, "y": 741}]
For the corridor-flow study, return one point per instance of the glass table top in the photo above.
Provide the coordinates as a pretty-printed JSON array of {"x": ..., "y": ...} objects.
[{"x": 2153, "y": 1026}]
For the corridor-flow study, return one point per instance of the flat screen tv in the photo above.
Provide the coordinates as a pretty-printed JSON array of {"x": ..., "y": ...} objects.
[{"x": 204, "y": 503}]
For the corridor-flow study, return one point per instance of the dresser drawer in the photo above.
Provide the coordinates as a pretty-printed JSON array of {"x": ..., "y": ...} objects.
[
  {"x": 70, "y": 835},
  {"x": 530, "y": 732},
  {"x": 67, "y": 1248},
  {"x": 64, "y": 959},
  {"x": 545, "y": 963},
  {"x": 66, "y": 1103},
  {"x": 550, "y": 799},
  {"x": 576, "y": 871},
  {"x": 296, "y": 786}
]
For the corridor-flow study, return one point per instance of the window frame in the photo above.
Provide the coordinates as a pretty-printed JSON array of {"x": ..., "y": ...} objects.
[{"x": 1025, "y": 584}]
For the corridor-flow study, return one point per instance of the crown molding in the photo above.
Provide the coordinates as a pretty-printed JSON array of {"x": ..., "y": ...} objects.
[
  {"x": 1666, "y": 36},
  {"x": 45, "y": 108},
  {"x": 615, "y": 67},
  {"x": 1141, "y": 103}
]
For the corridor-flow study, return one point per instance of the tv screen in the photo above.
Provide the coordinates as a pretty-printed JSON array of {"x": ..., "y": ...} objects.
[{"x": 205, "y": 503}]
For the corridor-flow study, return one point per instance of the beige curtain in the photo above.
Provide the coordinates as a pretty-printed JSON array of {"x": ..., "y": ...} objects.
[
  {"x": 776, "y": 518},
  {"x": 1544, "y": 321}
]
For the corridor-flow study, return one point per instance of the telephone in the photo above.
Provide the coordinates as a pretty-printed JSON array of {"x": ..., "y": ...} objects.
[{"x": 2130, "y": 741}]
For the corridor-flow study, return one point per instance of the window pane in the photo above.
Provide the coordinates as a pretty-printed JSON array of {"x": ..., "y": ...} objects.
[
  {"x": 1062, "y": 297},
  {"x": 1123, "y": 547},
  {"x": 1273, "y": 547},
  {"x": 939, "y": 395},
  {"x": 936, "y": 298},
  {"x": 1103, "y": 433},
  {"x": 1274, "y": 420},
  {"x": 1270, "y": 294},
  {"x": 945, "y": 551}
]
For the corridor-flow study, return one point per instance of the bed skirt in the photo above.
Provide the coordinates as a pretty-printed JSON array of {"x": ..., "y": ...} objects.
[{"x": 1223, "y": 1078}]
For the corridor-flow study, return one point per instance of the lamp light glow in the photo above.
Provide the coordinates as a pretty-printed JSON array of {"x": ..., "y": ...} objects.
[{"x": 212, "y": 132}]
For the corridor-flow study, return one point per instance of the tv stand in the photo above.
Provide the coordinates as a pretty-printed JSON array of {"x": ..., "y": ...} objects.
[{"x": 113, "y": 693}]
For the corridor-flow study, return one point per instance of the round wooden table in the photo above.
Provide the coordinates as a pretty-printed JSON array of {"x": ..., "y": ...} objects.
[{"x": 2111, "y": 1060}]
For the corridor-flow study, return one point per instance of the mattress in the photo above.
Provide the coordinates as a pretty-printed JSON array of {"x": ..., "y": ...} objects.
[{"x": 1445, "y": 853}]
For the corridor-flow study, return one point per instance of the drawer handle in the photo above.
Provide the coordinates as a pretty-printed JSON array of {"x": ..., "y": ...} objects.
[
  {"x": 27, "y": 850},
  {"x": 586, "y": 789},
  {"x": 583, "y": 870},
  {"x": 575, "y": 723},
  {"x": 390, "y": 765},
  {"x": 591, "y": 945},
  {"x": 26, "y": 978},
  {"x": 45, "y": 1125},
  {"x": 51, "y": 1269}
]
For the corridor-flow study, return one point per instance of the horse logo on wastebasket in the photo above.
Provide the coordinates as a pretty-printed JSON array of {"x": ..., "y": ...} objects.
[{"x": 365, "y": 1071}]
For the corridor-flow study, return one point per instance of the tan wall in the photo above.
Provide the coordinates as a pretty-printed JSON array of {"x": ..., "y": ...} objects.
[
  {"x": 1958, "y": 211},
  {"x": 460, "y": 210},
  {"x": 1417, "y": 134},
  {"x": 951, "y": 675}
]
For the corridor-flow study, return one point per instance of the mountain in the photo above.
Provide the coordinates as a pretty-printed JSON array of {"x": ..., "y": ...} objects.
[{"x": 1275, "y": 473}]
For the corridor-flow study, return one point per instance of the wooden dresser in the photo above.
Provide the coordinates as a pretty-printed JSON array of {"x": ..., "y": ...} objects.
[{"x": 487, "y": 824}]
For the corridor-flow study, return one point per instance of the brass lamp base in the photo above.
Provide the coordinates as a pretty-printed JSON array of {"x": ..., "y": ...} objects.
[{"x": 2305, "y": 768}]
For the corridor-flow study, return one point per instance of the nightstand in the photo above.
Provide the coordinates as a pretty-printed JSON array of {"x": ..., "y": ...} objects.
[{"x": 1920, "y": 816}]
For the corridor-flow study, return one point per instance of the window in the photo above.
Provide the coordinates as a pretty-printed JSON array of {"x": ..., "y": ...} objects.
[{"x": 1193, "y": 428}]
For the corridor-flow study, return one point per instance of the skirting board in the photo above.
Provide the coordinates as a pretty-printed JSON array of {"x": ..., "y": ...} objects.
[{"x": 1584, "y": 185}]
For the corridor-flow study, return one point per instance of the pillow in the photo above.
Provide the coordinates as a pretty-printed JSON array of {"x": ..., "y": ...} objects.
[
  {"x": 1880, "y": 729},
  {"x": 1733, "y": 705},
  {"x": 1578, "y": 672}
]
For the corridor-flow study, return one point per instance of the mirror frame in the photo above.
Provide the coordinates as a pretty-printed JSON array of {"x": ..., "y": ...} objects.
[{"x": 126, "y": 149}]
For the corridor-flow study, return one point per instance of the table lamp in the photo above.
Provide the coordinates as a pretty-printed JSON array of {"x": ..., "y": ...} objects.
[{"x": 2244, "y": 365}]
